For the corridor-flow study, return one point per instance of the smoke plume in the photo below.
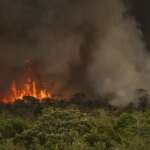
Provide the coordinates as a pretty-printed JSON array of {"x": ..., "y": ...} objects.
[{"x": 95, "y": 47}]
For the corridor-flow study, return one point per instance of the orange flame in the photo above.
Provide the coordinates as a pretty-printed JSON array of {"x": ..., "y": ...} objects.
[{"x": 29, "y": 88}]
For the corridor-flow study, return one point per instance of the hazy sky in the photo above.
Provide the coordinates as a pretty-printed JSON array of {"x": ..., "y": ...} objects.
[{"x": 141, "y": 10}]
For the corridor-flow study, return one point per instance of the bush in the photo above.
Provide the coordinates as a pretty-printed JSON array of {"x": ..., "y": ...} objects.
[
  {"x": 10, "y": 127},
  {"x": 73, "y": 128}
]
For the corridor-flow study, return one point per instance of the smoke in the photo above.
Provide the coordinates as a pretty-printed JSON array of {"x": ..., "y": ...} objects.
[
  {"x": 88, "y": 46},
  {"x": 120, "y": 62}
]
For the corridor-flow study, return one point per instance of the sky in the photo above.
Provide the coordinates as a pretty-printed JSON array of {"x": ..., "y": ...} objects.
[{"x": 141, "y": 10}]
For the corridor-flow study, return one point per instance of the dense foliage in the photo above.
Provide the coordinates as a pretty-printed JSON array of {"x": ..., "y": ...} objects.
[{"x": 32, "y": 126}]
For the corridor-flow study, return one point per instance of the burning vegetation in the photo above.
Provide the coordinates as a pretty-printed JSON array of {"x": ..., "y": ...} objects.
[
  {"x": 99, "y": 52},
  {"x": 30, "y": 85},
  {"x": 87, "y": 86},
  {"x": 29, "y": 88}
]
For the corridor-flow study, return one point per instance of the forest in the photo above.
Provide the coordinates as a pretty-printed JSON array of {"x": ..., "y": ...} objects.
[{"x": 73, "y": 125}]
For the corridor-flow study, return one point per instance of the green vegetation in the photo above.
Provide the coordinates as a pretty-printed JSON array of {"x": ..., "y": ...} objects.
[{"x": 72, "y": 127}]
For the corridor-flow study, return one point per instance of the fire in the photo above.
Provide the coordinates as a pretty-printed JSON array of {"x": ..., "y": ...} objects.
[
  {"x": 29, "y": 85},
  {"x": 29, "y": 88}
]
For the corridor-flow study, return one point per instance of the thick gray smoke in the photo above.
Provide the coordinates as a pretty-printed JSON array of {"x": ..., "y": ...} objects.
[
  {"x": 91, "y": 46},
  {"x": 120, "y": 63}
]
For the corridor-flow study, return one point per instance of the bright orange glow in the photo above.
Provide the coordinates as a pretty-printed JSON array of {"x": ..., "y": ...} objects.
[{"x": 28, "y": 88}]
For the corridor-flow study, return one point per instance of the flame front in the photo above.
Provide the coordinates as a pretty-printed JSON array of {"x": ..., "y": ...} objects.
[{"x": 29, "y": 88}]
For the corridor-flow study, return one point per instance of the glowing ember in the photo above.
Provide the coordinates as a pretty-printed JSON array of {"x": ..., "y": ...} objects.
[{"x": 29, "y": 88}]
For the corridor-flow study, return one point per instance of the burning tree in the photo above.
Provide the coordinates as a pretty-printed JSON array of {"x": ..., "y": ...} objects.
[{"x": 28, "y": 85}]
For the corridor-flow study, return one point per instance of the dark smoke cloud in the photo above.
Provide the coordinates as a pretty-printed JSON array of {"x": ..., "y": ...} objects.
[{"x": 91, "y": 46}]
